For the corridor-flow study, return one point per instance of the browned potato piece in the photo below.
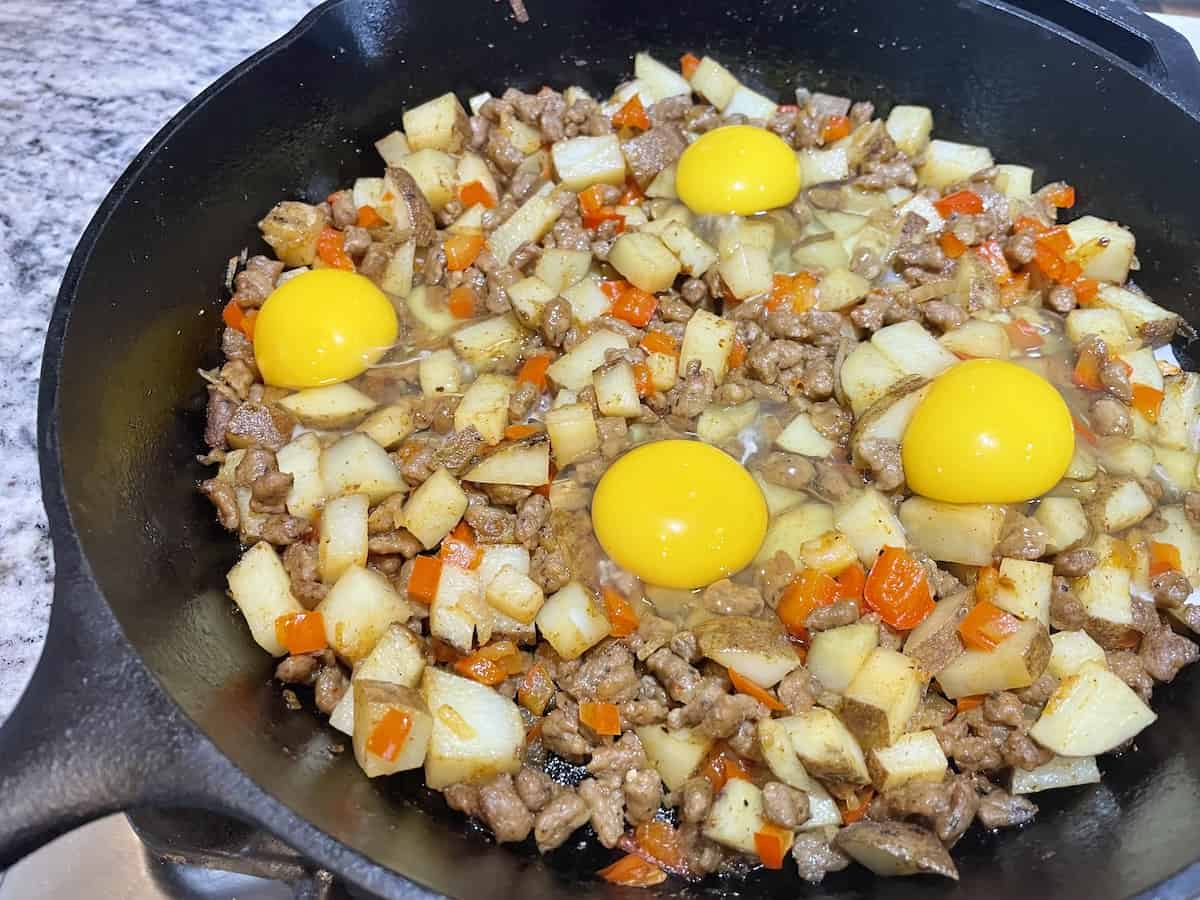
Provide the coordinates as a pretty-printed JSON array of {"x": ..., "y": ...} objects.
[
  {"x": 882, "y": 697},
  {"x": 1015, "y": 663},
  {"x": 756, "y": 648},
  {"x": 935, "y": 643}
]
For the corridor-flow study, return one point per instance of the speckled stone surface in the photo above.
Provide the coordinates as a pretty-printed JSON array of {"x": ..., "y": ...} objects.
[{"x": 79, "y": 100}]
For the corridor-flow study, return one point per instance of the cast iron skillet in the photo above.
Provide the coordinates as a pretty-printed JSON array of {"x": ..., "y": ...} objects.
[{"x": 150, "y": 691}]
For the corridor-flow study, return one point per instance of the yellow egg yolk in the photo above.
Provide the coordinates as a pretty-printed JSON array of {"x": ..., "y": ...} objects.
[
  {"x": 679, "y": 514},
  {"x": 322, "y": 327},
  {"x": 737, "y": 169},
  {"x": 988, "y": 431}
]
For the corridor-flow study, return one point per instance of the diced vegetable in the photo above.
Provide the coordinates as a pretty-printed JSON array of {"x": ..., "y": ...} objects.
[
  {"x": 910, "y": 127},
  {"x": 867, "y": 375},
  {"x": 659, "y": 81},
  {"x": 947, "y": 162},
  {"x": 1025, "y": 589},
  {"x": 913, "y": 757},
  {"x": 750, "y": 104},
  {"x": 986, "y": 626},
  {"x": 358, "y": 610},
  {"x": 800, "y": 436},
  {"x": 645, "y": 261},
  {"x": 1108, "y": 248},
  {"x": 485, "y": 406},
  {"x": 1015, "y": 663},
  {"x": 866, "y": 518},
  {"x": 1104, "y": 323},
  {"x": 434, "y": 508},
  {"x": 393, "y": 147},
  {"x": 840, "y": 288},
  {"x": 515, "y": 594},
  {"x": 1060, "y": 772},
  {"x": 836, "y": 656},
  {"x": 262, "y": 590},
  {"x": 392, "y": 727},
  {"x": 458, "y": 612},
  {"x": 485, "y": 344},
  {"x": 358, "y": 465},
  {"x": 950, "y": 532},
  {"x": 522, "y": 464},
  {"x": 736, "y": 816},
  {"x": 826, "y": 747},
  {"x": 571, "y": 621},
  {"x": 342, "y": 535},
  {"x": 529, "y": 223},
  {"x": 1071, "y": 651},
  {"x": 583, "y": 161},
  {"x": 332, "y": 406},
  {"x": 1090, "y": 712},
  {"x": 912, "y": 349},
  {"x": 820, "y": 166},
  {"x": 755, "y": 648},
  {"x": 713, "y": 82},
  {"x": 708, "y": 338},
  {"x": 389, "y": 425},
  {"x": 1119, "y": 505},
  {"x": 720, "y": 423},
  {"x": 477, "y": 732},
  {"x": 1064, "y": 521},
  {"x": 1016, "y": 182},
  {"x": 572, "y": 431},
  {"x": 1142, "y": 316},
  {"x": 795, "y": 526},
  {"x": 302, "y": 460},
  {"x": 573, "y": 370},
  {"x": 440, "y": 124},
  {"x": 976, "y": 338},
  {"x": 695, "y": 255},
  {"x": 675, "y": 754},
  {"x": 882, "y": 697},
  {"x": 935, "y": 643},
  {"x": 436, "y": 174}
]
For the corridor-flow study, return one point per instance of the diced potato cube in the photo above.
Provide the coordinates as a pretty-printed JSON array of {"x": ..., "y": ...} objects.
[
  {"x": 439, "y": 373},
  {"x": 436, "y": 174},
  {"x": 1143, "y": 317},
  {"x": 775, "y": 741},
  {"x": 1104, "y": 323},
  {"x": 866, "y": 518},
  {"x": 1143, "y": 365},
  {"x": 430, "y": 308},
  {"x": 789, "y": 530},
  {"x": 262, "y": 590},
  {"x": 528, "y": 296},
  {"x": 560, "y": 268},
  {"x": 291, "y": 229},
  {"x": 695, "y": 256},
  {"x": 515, "y": 594},
  {"x": 584, "y": 161},
  {"x": 1060, "y": 772},
  {"x": 1016, "y": 182},
  {"x": 664, "y": 370},
  {"x": 358, "y": 465},
  {"x": 867, "y": 375},
  {"x": 1090, "y": 712},
  {"x": 573, "y": 370},
  {"x": 663, "y": 185},
  {"x": 1178, "y": 413},
  {"x": 887, "y": 419},
  {"x": 440, "y": 124},
  {"x": 357, "y": 611},
  {"x": 674, "y": 754},
  {"x": 1016, "y": 662},
  {"x": 485, "y": 406},
  {"x": 935, "y": 643},
  {"x": 1104, "y": 593},
  {"x": 486, "y": 343},
  {"x": 388, "y": 426},
  {"x": 477, "y": 732},
  {"x": 1179, "y": 467},
  {"x": 1180, "y": 533},
  {"x": 840, "y": 288},
  {"x": 714, "y": 82},
  {"x": 571, "y": 622},
  {"x": 953, "y": 532},
  {"x": 572, "y": 430},
  {"x": 1119, "y": 506},
  {"x": 302, "y": 460},
  {"x": 1112, "y": 262},
  {"x": 616, "y": 390},
  {"x": 393, "y": 147},
  {"x": 708, "y": 338},
  {"x": 827, "y": 253},
  {"x": 342, "y": 534},
  {"x": 522, "y": 464},
  {"x": 458, "y": 613},
  {"x": 1125, "y": 457},
  {"x": 831, "y": 553},
  {"x": 910, "y": 127},
  {"x": 588, "y": 300},
  {"x": 913, "y": 350},
  {"x": 882, "y": 697},
  {"x": 471, "y": 167},
  {"x": 977, "y": 338},
  {"x": 434, "y": 508},
  {"x": 947, "y": 162},
  {"x": 1025, "y": 589},
  {"x": 659, "y": 81},
  {"x": 375, "y": 700},
  {"x": 746, "y": 270},
  {"x": 756, "y": 648},
  {"x": 645, "y": 261},
  {"x": 800, "y": 436},
  {"x": 913, "y": 757},
  {"x": 750, "y": 104},
  {"x": 398, "y": 657},
  {"x": 1071, "y": 651},
  {"x": 835, "y": 656},
  {"x": 719, "y": 423},
  {"x": 529, "y": 223},
  {"x": 332, "y": 406},
  {"x": 736, "y": 816},
  {"x": 1064, "y": 521},
  {"x": 820, "y": 166},
  {"x": 499, "y": 556},
  {"x": 826, "y": 747},
  {"x": 923, "y": 207}
]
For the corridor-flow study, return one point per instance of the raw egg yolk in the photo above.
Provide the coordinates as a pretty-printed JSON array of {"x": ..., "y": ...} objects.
[
  {"x": 322, "y": 327},
  {"x": 737, "y": 169},
  {"x": 988, "y": 431},
  {"x": 679, "y": 514}
]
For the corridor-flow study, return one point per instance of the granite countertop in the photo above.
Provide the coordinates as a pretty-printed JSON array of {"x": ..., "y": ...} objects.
[{"x": 80, "y": 100}]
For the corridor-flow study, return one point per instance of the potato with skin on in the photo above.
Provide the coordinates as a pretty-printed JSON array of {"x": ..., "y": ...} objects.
[
  {"x": 572, "y": 431},
  {"x": 963, "y": 533},
  {"x": 708, "y": 338},
  {"x": 935, "y": 643},
  {"x": 916, "y": 756},
  {"x": 477, "y": 734},
  {"x": 571, "y": 621},
  {"x": 836, "y": 656},
  {"x": 755, "y": 648},
  {"x": 436, "y": 174},
  {"x": 1090, "y": 712},
  {"x": 358, "y": 465},
  {"x": 888, "y": 417},
  {"x": 826, "y": 747},
  {"x": 358, "y": 610},
  {"x": 674, "y": 753},
  {"x": 1016, "y": 662},
  {"x": 1106, "y": 598},
  {"x": 736, "y": 816},
  {"x": 342, "y": 535},
  {"x": 775, "y": 742},
  {"x": 644, "y": 261},
  {"x": 262, "y": 590},
  {"x": 434, "y": 508},
  {"x": 373, "y": 701},
  {"x": 882, "y": 697},
  {"x": 331, "y": 406}
]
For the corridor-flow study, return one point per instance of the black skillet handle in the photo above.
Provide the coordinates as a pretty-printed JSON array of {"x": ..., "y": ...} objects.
[
  {"x": 93, "y": 733},
  {"x": 1161, "y": 54}
]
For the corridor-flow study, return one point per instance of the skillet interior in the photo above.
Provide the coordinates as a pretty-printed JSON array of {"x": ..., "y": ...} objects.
[{"x": 301, "y": 122}]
